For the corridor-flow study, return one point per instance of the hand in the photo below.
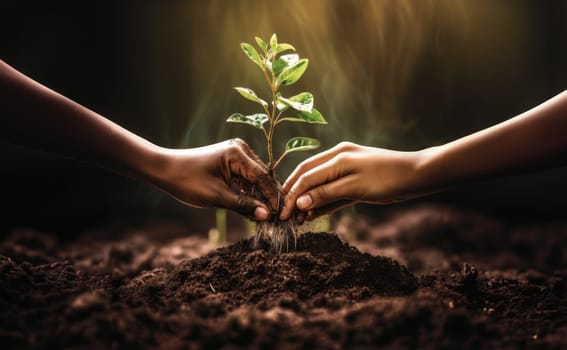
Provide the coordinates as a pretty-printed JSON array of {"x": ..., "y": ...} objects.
[
  {"x": 347, "y": 174},
  {"x": 202, "y": 177}
]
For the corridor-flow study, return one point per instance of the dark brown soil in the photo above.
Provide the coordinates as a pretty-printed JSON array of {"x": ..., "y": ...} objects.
[{"x": 474, "y": 283}]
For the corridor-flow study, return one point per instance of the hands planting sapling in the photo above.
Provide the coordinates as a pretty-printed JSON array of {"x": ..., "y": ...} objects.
[{"x": 280, "y": 68}]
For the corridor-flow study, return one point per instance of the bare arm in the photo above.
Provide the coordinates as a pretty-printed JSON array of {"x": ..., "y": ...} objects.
[
  {"x": 37, "y": 117},
  {"x": 533, "y": 140},
  {"x": 350, "y": 173},
  {"x": 32, "y": 115}
]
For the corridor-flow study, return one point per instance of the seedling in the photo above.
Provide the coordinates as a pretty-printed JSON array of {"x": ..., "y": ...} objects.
[{"x": 280, "y": 68}]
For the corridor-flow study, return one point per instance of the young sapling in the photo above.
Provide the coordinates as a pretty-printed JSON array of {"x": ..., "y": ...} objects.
[{"x": 280, "y": 68}]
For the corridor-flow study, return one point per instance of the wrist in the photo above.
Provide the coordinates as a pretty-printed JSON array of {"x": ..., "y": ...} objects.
[
  {"x": 152, "y": 164},
  {"x": 427, "y": 178}
]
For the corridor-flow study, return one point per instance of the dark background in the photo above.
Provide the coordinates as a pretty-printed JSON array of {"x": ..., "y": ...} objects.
[{"x": 396, "y": 74}]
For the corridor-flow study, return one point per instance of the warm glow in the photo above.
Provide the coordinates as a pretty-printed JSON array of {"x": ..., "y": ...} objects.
[{"x": 366, "y": 57}]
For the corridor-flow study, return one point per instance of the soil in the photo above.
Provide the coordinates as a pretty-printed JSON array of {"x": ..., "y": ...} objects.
[{"x": 428, "y": 277}]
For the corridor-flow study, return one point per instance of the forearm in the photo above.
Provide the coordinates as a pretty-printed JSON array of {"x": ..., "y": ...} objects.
[
  {"x": 34, "y": 116},
  {"x": 534, "y": 140}
]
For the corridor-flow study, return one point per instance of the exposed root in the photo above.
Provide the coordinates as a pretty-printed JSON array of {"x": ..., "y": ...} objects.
[{"x": 281, "y": 234}]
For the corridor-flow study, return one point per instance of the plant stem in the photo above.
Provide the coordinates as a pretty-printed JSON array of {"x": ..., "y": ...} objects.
[
  {"x": 277, "y": 120},
  {"x": 271, "y": 121},
  {"x": 279, "y": 160},
  {"x": 265, "y": 133},
  {"x": 271, "y": 133},
  {"x": 270, "y": 152},
  {"x": 268, "y": 79}
]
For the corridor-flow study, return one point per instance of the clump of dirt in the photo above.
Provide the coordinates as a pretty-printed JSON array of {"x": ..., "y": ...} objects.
[
  {"x": 282, "y": 235},
  {"x": 322, "y": 271},
  {"x": 236, "y": 289}
]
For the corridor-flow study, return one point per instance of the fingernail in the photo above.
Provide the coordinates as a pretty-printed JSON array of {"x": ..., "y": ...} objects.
[
  {"x": 304, "y": 202},
  {"x": 261, "y": 213}
]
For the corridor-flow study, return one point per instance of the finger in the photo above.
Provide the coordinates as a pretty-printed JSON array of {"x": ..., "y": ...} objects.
[
  {"x": 315, "y": 161},
  {"x": 245, "y": 205},
  {"x": 328, "y": 209},
  {"x": 300, "y": 217},
  {"x": 242, "y": 165},
  {"x": 249, "y": 152},
  {"x": 311, "y": 178},
  {"x": 245, "y": 166},
  {"x": 270, "y": 190},
  {"x": 324, "y": 173},
  {"x": 311, "y": 163},
  {"x": 317, "y": 197}
]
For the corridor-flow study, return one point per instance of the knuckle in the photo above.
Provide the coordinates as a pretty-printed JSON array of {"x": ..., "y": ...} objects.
[
  {"x": 302, "y": 167},
  {"x": 236, "y": 154},
  {"x": 293, "y": 193},
  {"x": 337, "y": 166},
  {"x": 320, "y": 194},
  {"x": 340, "y": 158},
  {"x": 302, "y": 180},
  {"x": 237, "y": 144},
  {"x": 343, "y": 163},
  {"x": 238, "y": 141},
  {"x": 232, "y": 148},
  {"x": 345, "y": 145}
]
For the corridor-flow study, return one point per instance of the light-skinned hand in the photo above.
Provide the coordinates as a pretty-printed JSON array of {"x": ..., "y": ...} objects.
[{"x": 346, "y": 174}]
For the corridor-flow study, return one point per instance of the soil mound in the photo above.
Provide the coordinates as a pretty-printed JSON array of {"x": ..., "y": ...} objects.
[
  {"x": 322, "y": 271},
  {"x": 150, "y": 289}
]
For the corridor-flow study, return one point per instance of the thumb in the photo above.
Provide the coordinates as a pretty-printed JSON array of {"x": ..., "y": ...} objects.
[{"x": 327, "y": 194}]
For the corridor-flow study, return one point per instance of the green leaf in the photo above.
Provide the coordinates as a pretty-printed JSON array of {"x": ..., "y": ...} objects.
[
  {"x": 291, "y": 119},
  {"x": 283, "y": 47},
  {"x": 312, "y": 117},
  {"x": 300, "y": 143},
  {"x": 251, "y": 95},
  {"x": 274, "y": 42},
  {"x": 292, "y": 73},
  {"x": 279, "y": 104},
  {"x": 285, "y": 61},
  {"x": 251, "y": 52},
  {"x": 300, "y": 102},
  {"x": 302, "y": 106},
  {"x": 256, "y": 120},
  {"x": 262, "y": 44}
]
